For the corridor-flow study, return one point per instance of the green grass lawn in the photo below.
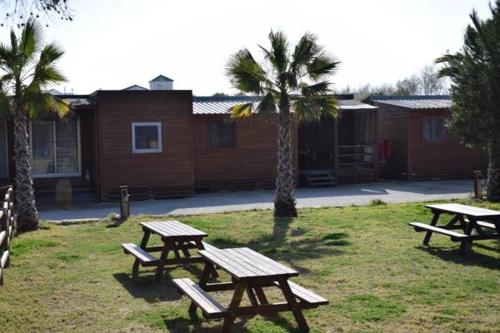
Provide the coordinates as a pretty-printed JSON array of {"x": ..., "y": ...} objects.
[{"x": 365, "y": 260}]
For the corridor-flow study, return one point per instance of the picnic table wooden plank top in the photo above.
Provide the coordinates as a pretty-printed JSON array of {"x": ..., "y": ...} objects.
[
  {"x": 173, "y": 229},
  {"x": 244, "y": 263},
  {"x": 465, "y": 210}
]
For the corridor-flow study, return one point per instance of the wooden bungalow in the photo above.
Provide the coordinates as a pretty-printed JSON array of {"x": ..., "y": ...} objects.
[
  {"x": 165, "y": 143},
  {"x": 416, "y": 142}
]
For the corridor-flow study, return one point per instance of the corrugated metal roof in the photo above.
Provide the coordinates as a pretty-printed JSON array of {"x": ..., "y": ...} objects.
[
  {"x": 222, "y": 105},
  {"x": 415, "y": 102},
  {"x": 76, "y": 100}
]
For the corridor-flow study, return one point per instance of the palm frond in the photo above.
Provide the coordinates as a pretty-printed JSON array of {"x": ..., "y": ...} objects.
[
  {"x": 242, "y": 111},
  {"x": 322, "y": 65},
  {"x": 245, "y": 73},
  {"x": 305, "y": 51},
  {"x": 278, "y": 54},
  {"x": 30, "y": 42},
  {"x": 13, "y": 42},
  {"x": 267, "y": 106},
  {"x": 45, "y": 73},
  {"x": 313, "y": 108},
  {"x": 8, "y": 58},
  {"x": 39, "y": 102},
  {"x": 317, "y": 89}
]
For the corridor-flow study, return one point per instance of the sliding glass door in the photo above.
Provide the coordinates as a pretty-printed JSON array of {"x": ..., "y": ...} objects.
[{"x": 56, "y": 148}]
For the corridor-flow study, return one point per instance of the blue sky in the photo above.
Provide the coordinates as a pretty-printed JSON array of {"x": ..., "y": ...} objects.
[{"x": 112, "y": 44}]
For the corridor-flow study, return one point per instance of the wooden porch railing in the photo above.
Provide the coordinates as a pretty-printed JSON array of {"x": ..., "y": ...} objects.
[
  {"x": 7, "y": 229},
  {"x": 350, "y": 156}
]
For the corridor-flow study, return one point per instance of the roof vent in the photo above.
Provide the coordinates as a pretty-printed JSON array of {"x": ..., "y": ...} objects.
[{"x": 161, "y": 82}]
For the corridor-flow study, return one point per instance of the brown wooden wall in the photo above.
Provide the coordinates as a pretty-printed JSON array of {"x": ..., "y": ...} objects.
[
  {"x": 251, "y": 163},
  {"x": 414, "y": 158},
  {"x": 170, "y": 171},
  {"x": 392, "y": 124},
  {"x": 446, "y": 159}
]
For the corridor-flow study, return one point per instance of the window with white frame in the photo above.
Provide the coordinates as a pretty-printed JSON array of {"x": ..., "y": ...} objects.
[{"x": 146, "y": 137}]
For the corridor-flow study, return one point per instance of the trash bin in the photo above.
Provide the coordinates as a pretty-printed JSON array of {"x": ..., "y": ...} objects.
[
  {"x": 124, "y": 203},
  {"x": 478, "y": 188}
]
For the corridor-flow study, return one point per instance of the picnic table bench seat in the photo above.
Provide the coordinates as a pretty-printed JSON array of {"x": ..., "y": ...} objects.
[
  {"x": 146, "y": 258},
  {"x": 210, "y": 307},
  {"x": 486, "y": 225},
  {"x": 305, "y": 295},
  {"x": 455, "y": 236}
]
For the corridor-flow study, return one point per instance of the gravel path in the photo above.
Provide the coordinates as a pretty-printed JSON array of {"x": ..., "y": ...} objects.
[{"x": 345, "y": 195}]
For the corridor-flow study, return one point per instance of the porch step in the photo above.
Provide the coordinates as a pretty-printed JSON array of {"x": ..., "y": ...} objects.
[
  {"x": 317, "y": 178},
  {"x": 210, "y": 307}
]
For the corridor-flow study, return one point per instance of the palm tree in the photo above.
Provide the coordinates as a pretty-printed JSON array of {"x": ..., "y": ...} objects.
[
  {"x": 293, "y": 85},
  {"x": 26, "y": 70}
]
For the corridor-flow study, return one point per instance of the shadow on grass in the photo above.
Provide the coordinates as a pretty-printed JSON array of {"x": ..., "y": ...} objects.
[
  {"x": 489, "y": 248},
  {"x": 146, "y": 288},
  {"x": 470, "y": 259},
  {"x": 181, "y": 325},
  {"x": 290, "y": 249}
]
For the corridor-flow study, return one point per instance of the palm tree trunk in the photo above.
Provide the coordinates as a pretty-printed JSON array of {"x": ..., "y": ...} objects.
[
  {"x": 284, "y": 201},
  {"x": 493, "y": 187},
  {"x": 27, "y": 215}
]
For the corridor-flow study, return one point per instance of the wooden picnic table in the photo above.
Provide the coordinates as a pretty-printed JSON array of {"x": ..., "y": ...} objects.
[
  {"x": 250, "y": 273},
  {"x": 178, "y": 238},
  {"x": 475, "y": 223}
]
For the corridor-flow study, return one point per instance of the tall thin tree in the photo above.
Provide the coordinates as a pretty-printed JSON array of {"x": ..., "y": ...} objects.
[
  {"x": 26, "y": 71},
  {"x": 475, "y": 76},
  {"x": 294, "y": 84}
]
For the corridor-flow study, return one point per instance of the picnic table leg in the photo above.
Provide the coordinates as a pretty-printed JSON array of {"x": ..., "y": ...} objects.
[
  {"x": 163, "y": 258},
  {"x": 199, "y": 245},
  {"x": 137, "y": 263},
  {"x": 251, "y": 296},
  {"x": 466, "y": 244},
  {"x": 434, "y": 221},
  {"x": 185, "y": 251},
  {"x": 235, "y": 303},
  {"x": 297, "y": 312},
  {"x": 175, "y": 246},
  {"x": 261, "y": 296}
]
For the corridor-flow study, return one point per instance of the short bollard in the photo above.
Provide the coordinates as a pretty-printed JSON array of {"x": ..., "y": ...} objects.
[{"x": 125, "y": 203}]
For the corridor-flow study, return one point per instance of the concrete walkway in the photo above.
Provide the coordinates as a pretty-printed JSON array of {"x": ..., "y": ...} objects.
[
  {"x": 359, "y": 194},
  {"x": 345, "y": 195}
]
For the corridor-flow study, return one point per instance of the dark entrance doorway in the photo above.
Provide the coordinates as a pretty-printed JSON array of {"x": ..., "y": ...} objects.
[{"x": 317, "y": 152}]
